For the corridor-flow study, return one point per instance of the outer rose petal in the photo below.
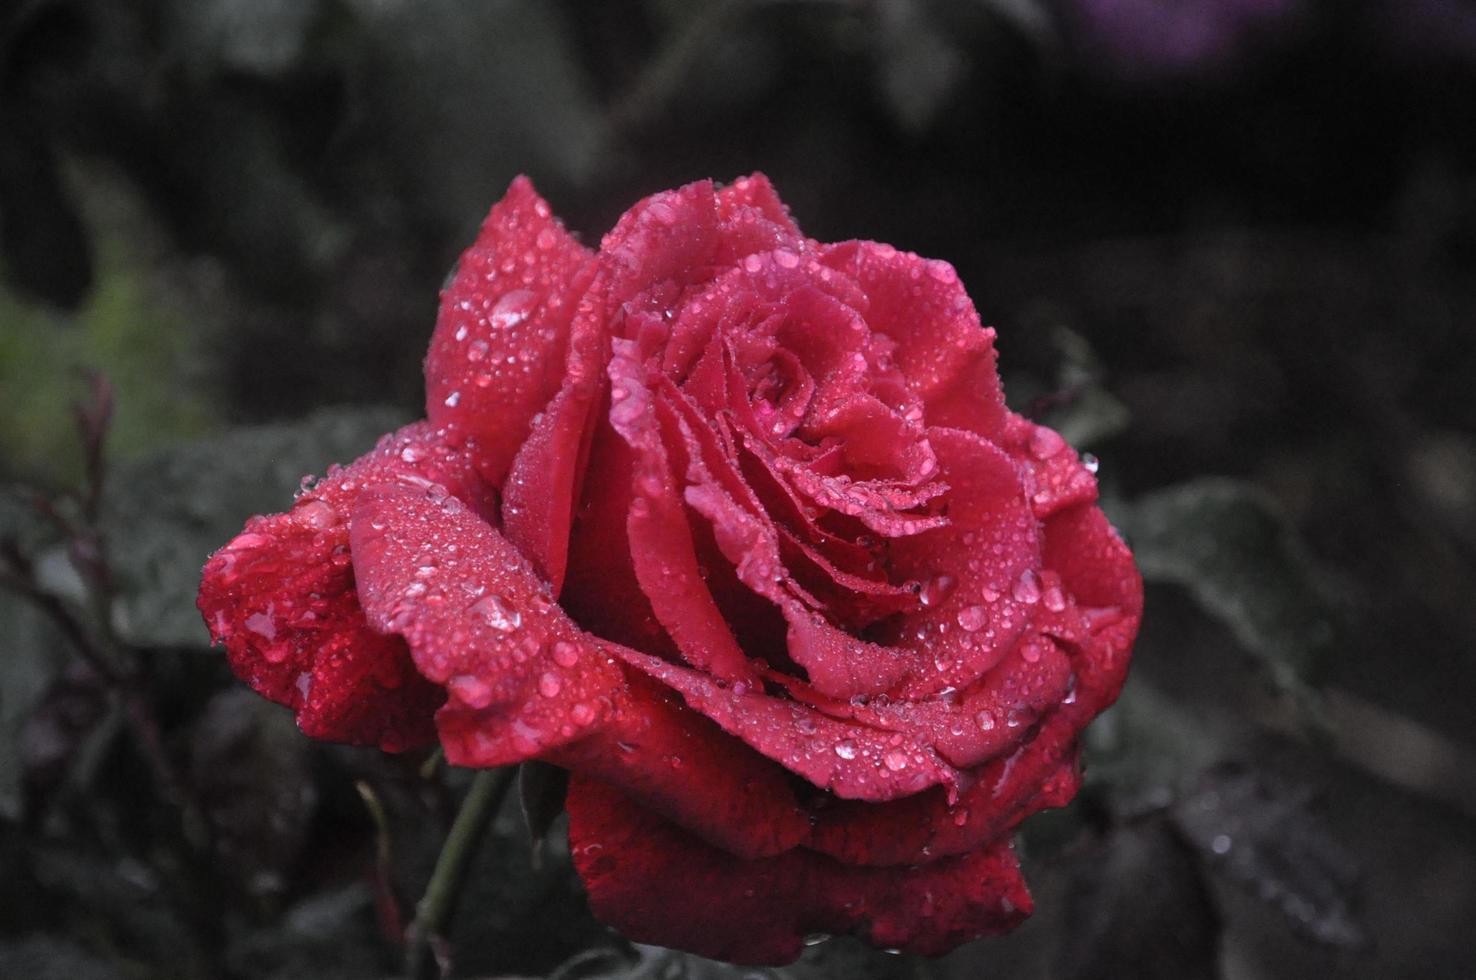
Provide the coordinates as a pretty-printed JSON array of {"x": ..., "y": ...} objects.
[
  {"x": 657, "y": 884},
  {"x": 1097, "y": 569},
  {"x": 497, "y": 354},
  {"x": 851, "y": 761},
  {"x": 281, "y": 597},
  {"x": 521, "y": 676},
  {"x": 673, "y": 760}
]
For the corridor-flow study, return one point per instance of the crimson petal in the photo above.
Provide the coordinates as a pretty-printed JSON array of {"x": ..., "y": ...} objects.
[
  {"x": 497, "y": 354},
  {"x": 522, "y": 678},
  {"x": 281, "y": 596},
  {"x": 658, "y": 884},
  {"x": 943, "y": 351},
  {"x": 677, "y": 762},
  {"x": 851, "y": 761}
]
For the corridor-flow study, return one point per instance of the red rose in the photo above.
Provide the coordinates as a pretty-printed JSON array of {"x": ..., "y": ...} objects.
[{"x": 735, "y": 526}]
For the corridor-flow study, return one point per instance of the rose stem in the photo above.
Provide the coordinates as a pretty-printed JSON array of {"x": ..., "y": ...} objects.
[{"x": 434, "y": 910}]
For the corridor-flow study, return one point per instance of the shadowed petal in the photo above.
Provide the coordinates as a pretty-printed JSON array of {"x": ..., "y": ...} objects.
[
  {"x": 282, "y": 598},
  {"x": 658, "y": 884}
]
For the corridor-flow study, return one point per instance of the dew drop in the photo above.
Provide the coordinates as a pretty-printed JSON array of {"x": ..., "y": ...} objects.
[
  {"x": 846, "y": 749},
  {"x": 786, "y": 258},
  {"x": 565, "y": 654},
  {"x": 549, "y": 686},
  {"x": 895, "y": 760},
  {"x": 1090, "y": 462},
  {"x": 453, "y": 399},
  {"x": 1053, "y": 599},
  {"x": 512, "y": 309},
  {"x": 1045, "y": 442},
  {"x": 985, "y": 720},
  {"x": 972, "y": 618},
  {"x": 470, "y": 690},
  {"x": 318, "y": 514},
  {"x": 582, "y": 713},
  {"x": 1027, "y": 588},
  {"x": 546, "y": 239},
  {"x": 412, "y": 454},
  {"x": 495, "y": 610},
  {"x": 936, "y": 590}
]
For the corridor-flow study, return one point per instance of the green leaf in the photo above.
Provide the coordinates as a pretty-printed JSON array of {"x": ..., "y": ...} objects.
[
  {"x": 167, "y": 511},
  {"x": 1228, "y": 544}
]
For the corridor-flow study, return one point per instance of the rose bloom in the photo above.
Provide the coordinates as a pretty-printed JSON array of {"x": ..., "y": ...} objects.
[{"x": 735, "y": 526}]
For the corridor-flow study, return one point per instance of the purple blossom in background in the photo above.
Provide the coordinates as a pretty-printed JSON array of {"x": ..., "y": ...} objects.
[{"x": 1155, "y": 40}]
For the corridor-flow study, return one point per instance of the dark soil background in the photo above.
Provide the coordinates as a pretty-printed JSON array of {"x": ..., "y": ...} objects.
[{"x": 1230, "y": 248}]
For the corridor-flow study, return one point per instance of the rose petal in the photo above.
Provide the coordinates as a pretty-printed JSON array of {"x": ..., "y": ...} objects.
[
  {"x": 660, "y": 541},
  {"x": 540, "y": 492},
  {"x": 677, "y": 762},
  {"x": 522, "y": 678},
  {"x": 281, "y": 596},
  {"x": 947, "y": 357},
  {"x": 1098, "y": 572},
  {"x": 657, "y": 884},
  {"x": 851, "y": 761},
  {"x": 497, "y": 354}
]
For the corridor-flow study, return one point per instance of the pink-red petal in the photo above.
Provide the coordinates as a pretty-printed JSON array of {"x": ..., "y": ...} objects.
[
  {"x": 281, "y": 596},
  {"x": 658, "y": 884},
  {"x": 497, "y": 354},
  {"x": 521, "y": 677},
  {"x": 851, "y": 761},
  {"x": 678, "y": 763}
]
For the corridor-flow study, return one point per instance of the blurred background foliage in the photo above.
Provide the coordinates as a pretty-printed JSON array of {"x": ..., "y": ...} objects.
[{"x": 1231, "y": 249}]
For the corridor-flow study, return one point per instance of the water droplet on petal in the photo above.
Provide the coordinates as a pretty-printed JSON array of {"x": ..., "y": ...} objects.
[
  {"x": 1045, "y": 442},
  {"x": 1053, "y": 599},
  {"x": 972, "y": 618},
  {"x": 512, "y": 309},
  {"x": 1090, "y": 462},
  {"x": 895, "y": 760},
  {"x": 470, "y": 690},
  {"x": 495, "y": 610},
  {"x": 846, "y": 749},
  {"x": 317, "y": 514},
  {"x": 565, "y": 654},
  {"x": 937, "y": 589},
  {"x": 1027, "y": 588},
  {"x": 549, "y": 686}
]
